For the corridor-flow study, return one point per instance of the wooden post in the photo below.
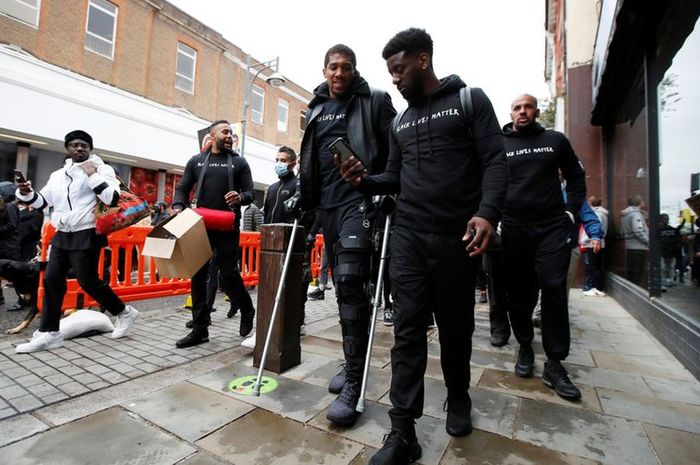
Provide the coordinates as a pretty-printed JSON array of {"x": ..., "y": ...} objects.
[{"x": 285, "y": 348}]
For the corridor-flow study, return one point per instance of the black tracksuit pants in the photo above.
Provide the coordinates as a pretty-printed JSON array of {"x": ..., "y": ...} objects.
[
  {"x": 537, "y": 258},
  {"x": 430, "y": 273},
  {"x": 225, "y": 246},
  {"x": 84, "y": 265},
  {"x": 347, "y": 237},
  {"x": 498, "y": 307}
]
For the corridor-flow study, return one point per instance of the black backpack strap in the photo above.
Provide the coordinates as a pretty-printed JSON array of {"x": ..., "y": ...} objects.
[
  {"x": 465, "y": 97},
  {"x": 200, "y": 180}
]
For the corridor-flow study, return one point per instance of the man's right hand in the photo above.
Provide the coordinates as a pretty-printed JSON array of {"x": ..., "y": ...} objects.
[
  {"x": 351, "y": 170},
  {"x": 25, "y": 187}
]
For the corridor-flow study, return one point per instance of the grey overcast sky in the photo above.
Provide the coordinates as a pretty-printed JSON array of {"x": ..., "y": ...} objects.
[{"x": 496, "y": 45}]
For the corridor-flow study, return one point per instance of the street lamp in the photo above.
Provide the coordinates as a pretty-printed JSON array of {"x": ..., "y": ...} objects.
[{"x": 275, "y": 80}]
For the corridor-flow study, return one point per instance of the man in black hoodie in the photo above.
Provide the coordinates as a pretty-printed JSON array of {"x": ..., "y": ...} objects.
[
  {"x": 344, "y": 106},
  {"x": 223, "y": 168},
  {"x": 536, "y": 234},
  {"x": 451, "y": 172}
]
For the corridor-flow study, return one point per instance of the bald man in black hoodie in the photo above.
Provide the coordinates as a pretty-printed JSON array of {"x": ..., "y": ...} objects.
[
  {"x": 536, "y": 231},
  {"x": 452, "y": 177}
]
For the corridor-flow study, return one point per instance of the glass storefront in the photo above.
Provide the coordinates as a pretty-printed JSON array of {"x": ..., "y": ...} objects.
[{"x": 679, "y": 139}]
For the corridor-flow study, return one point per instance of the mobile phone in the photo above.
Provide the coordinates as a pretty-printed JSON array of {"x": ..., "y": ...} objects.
[
  {"x": 341, "y": 148},
  {"x": 19, "y": 177}
]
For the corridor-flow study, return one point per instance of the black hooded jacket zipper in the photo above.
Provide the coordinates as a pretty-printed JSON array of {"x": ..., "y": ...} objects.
[{"x": 70, "y": 205}]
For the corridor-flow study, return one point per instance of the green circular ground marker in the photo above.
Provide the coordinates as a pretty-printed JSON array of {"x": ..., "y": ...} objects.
[{"x": 244, "y": 385}]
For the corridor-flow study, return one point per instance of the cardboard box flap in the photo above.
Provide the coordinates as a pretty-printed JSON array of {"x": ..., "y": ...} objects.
[
  {"x": 159, "y": 248},
  {"x": 182, "y": 222}
]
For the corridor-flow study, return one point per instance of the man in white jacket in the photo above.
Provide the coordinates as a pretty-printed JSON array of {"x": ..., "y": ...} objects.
[{"x": 73, "y": 192}]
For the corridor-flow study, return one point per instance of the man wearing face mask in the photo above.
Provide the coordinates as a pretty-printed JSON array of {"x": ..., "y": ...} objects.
[{"x": 282, "y": 190}]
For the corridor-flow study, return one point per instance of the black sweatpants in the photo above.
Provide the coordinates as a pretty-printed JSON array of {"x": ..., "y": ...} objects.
[
  {"x": 430, "y": 273},
  {"x": 225, "y": 246},
  {"x": 537, "y": 258},
  {"x": 84, "y": 264},
  {"x": 347, "y": 238},
  {"x": 498, "y": 307}
]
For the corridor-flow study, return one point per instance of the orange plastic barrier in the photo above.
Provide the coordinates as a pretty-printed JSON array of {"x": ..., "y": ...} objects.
[{"x": 141, "y": 281}]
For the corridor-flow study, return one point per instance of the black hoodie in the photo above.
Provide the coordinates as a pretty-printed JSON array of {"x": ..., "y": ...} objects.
[
  {"x": 535, "y": 157},
  {"x": 444, "y": 175}
]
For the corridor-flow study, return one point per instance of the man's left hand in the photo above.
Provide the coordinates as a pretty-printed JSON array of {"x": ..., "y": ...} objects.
[
  {"x": 478, "y": 236},
  {"x": 596, "y": 245},
  {"x": 232, "y": 198}
]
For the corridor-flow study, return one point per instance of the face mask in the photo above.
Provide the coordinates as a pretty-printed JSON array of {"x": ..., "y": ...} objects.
[{"x": 281, "y": 168}]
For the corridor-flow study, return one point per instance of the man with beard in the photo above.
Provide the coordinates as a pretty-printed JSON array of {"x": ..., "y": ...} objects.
[
  {"x": 216, "y": 169},
  {"x": 344, "y": 106},
  {"x": 536, "y": 230},
  {"x": 448, "y": 163}
]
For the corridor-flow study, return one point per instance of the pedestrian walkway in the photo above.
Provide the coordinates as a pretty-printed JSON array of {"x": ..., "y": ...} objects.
[{"x": 169, "y": 406}]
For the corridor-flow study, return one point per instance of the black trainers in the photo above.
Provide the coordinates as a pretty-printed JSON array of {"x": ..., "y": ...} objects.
[
  {"x": 388, "y": 316},
  {"x": 526, "y": 362},
  {"x": 397, "y": 450},
  {"x": 232, "y": 311},
  {"x": 189, "y": 324},
  {"x": 193, "y": 339},
  {"x": 459, "y": 409},
  {"x": 337, "y": 382},
  {"x": 246, "y": 322},
  {"x": 316, "y": 294},
  {"x": 556, "y": 377},
  {"x": 342, "y": 410}
]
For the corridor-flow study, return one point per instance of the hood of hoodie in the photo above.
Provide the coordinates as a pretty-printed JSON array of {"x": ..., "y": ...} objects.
[
  {"x": 630, "y": 210},
  {"x": 70, "y": 166},
  {"x": 533, "y": 130},
  {"x": 321, "y": 93}
]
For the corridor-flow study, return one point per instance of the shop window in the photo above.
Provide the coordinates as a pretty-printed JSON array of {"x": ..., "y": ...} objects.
[{"x": 101, "y": 27}]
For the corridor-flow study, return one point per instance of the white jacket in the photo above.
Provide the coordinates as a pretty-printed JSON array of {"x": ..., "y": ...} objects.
[{"x": 73, "y": 195}]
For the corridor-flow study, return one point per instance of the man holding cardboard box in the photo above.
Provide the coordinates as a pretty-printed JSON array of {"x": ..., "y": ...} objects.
[{"x": 223, "y": 183}]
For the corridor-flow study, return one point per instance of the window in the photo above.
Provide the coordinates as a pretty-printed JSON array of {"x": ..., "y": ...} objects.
[
  {"x": 282, "y": 116},
  {"x": 302, "y": 121},
  {"x": 257, "y": 104},
  {"x": 26, "y": 11},
  {"x": 101, "y": 27},
  {"x": 186, "y": 66}
]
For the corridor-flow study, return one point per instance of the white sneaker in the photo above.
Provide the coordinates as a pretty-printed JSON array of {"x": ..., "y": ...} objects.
[
  {"x": 41, "y": 341},
  {"x": 249, "y": 343},
  {"x": 125, "y": 320},
  {"x": 599, "y": 293},
  {"x": 302, "y": 330}
]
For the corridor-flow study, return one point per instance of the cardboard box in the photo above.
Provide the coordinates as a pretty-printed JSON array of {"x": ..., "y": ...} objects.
[{"x": 179, "y": 245}]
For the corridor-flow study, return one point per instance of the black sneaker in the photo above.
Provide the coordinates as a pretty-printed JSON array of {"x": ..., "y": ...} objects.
[
  {"x": 499, "y": 338},
  {"x": 316, "y": 294},
  {"x": 189, "y": 324},
  {"x": 397, "y": 450},
  {"x": 337, "y": 382},
  {"x": 246, "y": 322},
  {"x": 459, "y": 409},
  {"x": 193, "y": 339},
  {"x": 526, "y": 362},
  {"x": 556, "y": 377},
  {"x": 342, "y": 410},
  {"x": 388, "y": 316}
]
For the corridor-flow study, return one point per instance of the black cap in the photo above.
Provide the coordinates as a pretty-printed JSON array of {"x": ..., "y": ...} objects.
[{"x": 77, "y": 134}]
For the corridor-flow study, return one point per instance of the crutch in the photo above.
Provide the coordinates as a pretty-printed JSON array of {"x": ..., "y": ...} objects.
[
  {"x": 388, "y": 207},
  {"x": 256, "y": 386}
]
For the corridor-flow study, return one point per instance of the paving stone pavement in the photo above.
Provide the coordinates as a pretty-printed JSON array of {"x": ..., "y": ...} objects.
[{"x": 141, "y": 400}]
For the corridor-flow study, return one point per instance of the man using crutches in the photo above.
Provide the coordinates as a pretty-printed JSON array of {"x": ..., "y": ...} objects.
[
  {"x": 448, "y": 163},
  {"x": 344, "y": 107}
]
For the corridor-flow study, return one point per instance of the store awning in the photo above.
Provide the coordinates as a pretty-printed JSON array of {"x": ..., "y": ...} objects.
[{"x": 42, "y": 102}]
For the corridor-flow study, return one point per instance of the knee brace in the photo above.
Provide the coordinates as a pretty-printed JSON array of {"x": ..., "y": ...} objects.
[{"x": 352, "y": 259}]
